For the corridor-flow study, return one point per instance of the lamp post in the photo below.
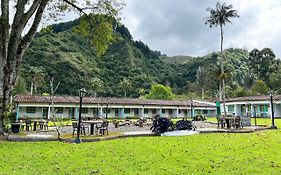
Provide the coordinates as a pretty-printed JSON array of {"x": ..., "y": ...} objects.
[
  {"x": 255, "y": 116},
  {"x": 191, "y": 109},
  {"x": 272, "y": 111},
  {"x": 82, "y": 93},
  {"x": 106, "y": 109}
]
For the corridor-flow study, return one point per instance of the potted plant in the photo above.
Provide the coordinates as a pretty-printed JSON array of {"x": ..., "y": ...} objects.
[{"x": 15, "y": 125}]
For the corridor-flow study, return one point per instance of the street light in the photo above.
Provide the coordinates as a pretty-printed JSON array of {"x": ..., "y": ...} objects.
[
  {"x": 106, "y": 113},
  {"x": 191, "y": 108},
  {"x": 272, "y": 111},
  {"x": 82, "y": 93}
]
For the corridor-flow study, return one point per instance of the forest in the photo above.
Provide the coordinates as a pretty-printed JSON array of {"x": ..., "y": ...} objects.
[{"x": 130, "y": 68}]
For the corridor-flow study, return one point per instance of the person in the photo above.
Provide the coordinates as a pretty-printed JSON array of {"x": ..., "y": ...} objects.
[{"x": 155, "y": 123}]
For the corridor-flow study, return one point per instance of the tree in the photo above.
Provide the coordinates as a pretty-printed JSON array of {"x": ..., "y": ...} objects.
[
  {"x": 248, "y": 79},
  {"x": 20, "y": 86},
  {"x": 36, "y": 76},
  {"x": 125, "y": 85},
  {"x": 260, "y": 88},
  {"x": 275, "y": 81},
  {"x": 263, "y": 63},
  {"x": 202, "y": 80},
  {"x": 240, "y": 92},
  {"x": 97, "y": 86},
  {"x": 161, "y": 92},
  {"x": 220, "y": 16},
  {"x": 53, "y": 89},
  {"x": 17, "y": 33}
]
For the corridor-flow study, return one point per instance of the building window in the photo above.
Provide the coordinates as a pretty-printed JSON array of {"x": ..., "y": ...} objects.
[
  {"x": 136, "y": 111},
  {"x": 59, "y": 110},
  {"x": 249, "y": 108},
  {"x": 84, "y": 110},
  {"x": 106, "y": 110},
  {"x": 179, "y": 111},
  {"x": 170, "y": 111},
  {"x": 230, "y": 108},
  {"x": 264, "y": 108},
  {"x": 127, "y": 111},
  {"x": 205, "y": 112},
  {"x": 145, "y": 111},
  {"x": 30, "y": 110},
  {"x": 163, "y": 111},
  {"x": 154, "y": 111}
]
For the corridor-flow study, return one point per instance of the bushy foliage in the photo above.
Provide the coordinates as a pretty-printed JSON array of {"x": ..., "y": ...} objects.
[{"x": 159, "y": 91}]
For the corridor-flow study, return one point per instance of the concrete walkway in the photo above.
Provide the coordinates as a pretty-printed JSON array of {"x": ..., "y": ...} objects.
[{"x": 126, "y": 131}]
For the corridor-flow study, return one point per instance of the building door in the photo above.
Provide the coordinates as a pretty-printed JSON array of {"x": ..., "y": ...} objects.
[
  {"x": 136, "y": 112},
  {"x": 45, "y": 112},
  {"x": 71, "y": 113}
]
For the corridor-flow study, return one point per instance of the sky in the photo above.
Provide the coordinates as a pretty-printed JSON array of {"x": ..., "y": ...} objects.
[{"x": 177, "y": 27}]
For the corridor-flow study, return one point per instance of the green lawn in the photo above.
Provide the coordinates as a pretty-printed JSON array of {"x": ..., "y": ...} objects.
[{"x": 255, "y": 153}]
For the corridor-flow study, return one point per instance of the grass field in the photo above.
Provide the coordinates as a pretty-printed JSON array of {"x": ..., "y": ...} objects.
[{"x": 255, "y": 153}]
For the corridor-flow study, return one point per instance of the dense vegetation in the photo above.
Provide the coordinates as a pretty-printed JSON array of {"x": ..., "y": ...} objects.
[{"x": 129, "y": 68}]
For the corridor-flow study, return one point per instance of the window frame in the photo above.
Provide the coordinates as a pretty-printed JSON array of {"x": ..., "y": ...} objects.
[
  {"x": 29, "y": 111},
  {"x": 127, "y": 111},
  {"x": 59, "y": 110},
  {"x": 84, "y": 110}
]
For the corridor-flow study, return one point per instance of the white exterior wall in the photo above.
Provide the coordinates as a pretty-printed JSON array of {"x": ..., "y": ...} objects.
[
  {"x": 237, "y": 110},
  {"x": 255, "y": 104},
  {"x": 277, "y": 110},
  {"x": 23, "y": 113},
  {"x": 65, "y": 114},
  {"x": 180, "y": 115},
  {"x": 149, "y": 114},
  {"x": 91, "y": 108}
]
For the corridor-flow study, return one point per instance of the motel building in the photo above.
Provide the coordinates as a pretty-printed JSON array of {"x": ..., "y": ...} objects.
[
  {"x": 253, "y": 106},
  {"x": 35, "y": 106}
]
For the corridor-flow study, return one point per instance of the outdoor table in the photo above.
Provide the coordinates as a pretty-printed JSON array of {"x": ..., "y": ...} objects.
[
  {"x": 227, "y": 120},
  {"x": 92, "y": 124}
]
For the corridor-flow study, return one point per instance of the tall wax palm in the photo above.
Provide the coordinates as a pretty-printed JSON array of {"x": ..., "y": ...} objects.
[
  {"x": 125, "y": 85},
  {"x": 202, "y": 79},
  {"x": 220, "y": 16},
  {"x": 97, "y": 86}
]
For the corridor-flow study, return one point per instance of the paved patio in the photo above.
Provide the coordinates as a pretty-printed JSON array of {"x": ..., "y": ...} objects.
[{"x": 126, "y": 131}]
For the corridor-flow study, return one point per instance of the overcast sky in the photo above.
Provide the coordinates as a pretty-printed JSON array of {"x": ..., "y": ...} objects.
[{"x": 176, "y": 27}]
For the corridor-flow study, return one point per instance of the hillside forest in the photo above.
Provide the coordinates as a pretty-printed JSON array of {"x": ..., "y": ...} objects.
[{"x": 131, "y": 69}]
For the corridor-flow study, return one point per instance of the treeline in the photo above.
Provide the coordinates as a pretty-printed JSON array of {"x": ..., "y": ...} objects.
[
  {"x": 246, "y": 73},
  {"x": 129, "y": 68}
]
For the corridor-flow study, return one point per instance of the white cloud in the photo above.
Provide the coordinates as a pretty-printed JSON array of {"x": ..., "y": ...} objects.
[{"x": 177, "y": 27}]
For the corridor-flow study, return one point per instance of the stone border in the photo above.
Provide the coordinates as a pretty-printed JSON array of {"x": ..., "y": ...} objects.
[
  {"x": 71, "y": 140},
  {"x": 14, "y": 138}
]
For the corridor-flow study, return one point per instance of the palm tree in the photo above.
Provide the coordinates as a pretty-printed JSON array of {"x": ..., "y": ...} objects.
[
  {"x": 37, "y": 77},
  {"x": 125, "y": 85},
  {"x": 220, "y": 16},
  {"x": 97, "y": 86},
  {"x": 201, "y": 77}
]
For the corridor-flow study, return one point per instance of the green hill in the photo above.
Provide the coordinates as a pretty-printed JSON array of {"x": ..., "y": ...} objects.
[
  {"x": 69, "y": 58},
  {"x": 179, "y": 59}
]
